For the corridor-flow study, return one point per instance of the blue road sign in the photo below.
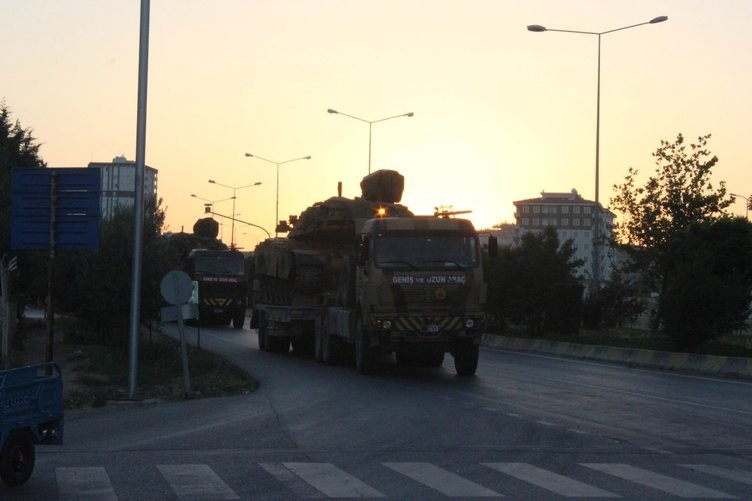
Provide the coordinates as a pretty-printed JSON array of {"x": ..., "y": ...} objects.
[{"x": 55, "y": 205}]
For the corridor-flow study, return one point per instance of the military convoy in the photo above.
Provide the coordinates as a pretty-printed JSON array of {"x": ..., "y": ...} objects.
[{"x": 357, "y": 278}]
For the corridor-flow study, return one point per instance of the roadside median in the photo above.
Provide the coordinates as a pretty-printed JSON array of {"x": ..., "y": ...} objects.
[{"x": 712, "y": 365}]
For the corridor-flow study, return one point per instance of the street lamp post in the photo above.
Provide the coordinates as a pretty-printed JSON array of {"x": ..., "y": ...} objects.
[
  {"x": 210, "y": 202},
  {"x": 370, "y": 126},
  {"x": 596, "y": 212},
  {"x": 234, "y": 190},
  {"x": 276, "y": 213},
  {"x": 746, "y": 203}
]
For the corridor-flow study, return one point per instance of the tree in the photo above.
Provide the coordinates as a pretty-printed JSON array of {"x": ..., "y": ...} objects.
[
  {"x": 681, "y": 193},
  {"x": 99, "y": 282},
  {"x": 709, "y": 284},
  {"x": 18, "y": 148},
  {"x": 535, "y": 285}
]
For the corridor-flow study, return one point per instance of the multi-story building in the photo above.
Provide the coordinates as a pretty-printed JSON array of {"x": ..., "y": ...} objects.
[
  {"x": 119, "y": 184},
  {"x": 573, "y": 217}
]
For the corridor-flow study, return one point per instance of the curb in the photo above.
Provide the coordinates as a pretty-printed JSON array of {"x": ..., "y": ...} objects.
[{"x": 714, "y": 365}]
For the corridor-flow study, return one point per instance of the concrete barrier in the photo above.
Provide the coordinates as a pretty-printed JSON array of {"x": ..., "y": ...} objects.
[{"x": 714, "y": 365}]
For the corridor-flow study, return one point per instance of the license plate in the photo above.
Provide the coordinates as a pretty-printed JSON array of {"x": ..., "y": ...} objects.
[{"x": 433, "y": 328}]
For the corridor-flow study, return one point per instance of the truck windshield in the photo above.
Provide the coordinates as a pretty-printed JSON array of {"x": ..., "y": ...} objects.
[
  {"x": 424, "y": 251},
  {"x": 218, "y": 265}
]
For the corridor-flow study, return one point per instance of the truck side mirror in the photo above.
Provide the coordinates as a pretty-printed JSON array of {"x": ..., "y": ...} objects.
[
  {"x": 362, "y": 253},
  {"x": 493, "y": 246}
]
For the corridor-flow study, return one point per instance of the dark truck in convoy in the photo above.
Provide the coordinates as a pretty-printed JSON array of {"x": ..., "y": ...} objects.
[
  {"x": 222, "y": 285},
  {"x": 365, "y": 276}
]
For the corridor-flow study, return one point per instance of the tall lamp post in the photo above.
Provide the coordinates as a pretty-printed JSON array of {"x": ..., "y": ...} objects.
[
  {"x": 370, "y": 127},
  {"x": 276, "y": 213},
  {"x": 746, "y": 203},
  {"x": 234, "y": 190},
  {"x": 596, "y": 212}
]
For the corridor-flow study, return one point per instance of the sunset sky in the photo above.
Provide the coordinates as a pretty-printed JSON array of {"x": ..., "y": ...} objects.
[{"x": 500, "y": 113}]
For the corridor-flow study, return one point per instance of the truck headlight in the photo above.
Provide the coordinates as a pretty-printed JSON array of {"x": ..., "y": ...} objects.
[
  {"x": 386, "y": 324},
  {"x": 469, "y": 323}
]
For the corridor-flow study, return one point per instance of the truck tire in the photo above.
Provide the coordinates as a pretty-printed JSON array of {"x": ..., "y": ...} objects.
[
  {"x": 318, "y": 339},
  {"x": 278, "y": 344},
  {"x": 303, "y": 345},
  {"x": 466, "y": 359},
  {"x": 434, "y": 358},
  {"x": 364, "y": 354},
  {"x": 262, "y": 337},
  {"x": 238, "y": 319},
  {"x": 17, "y": 458}
]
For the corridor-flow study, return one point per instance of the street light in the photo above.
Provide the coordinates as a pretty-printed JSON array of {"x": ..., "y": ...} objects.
[
  {"x": 370, "y": 126},
  {"x": 210, "y": 202},
  {"x": 746, "y": 203},
  {"x": 276, "y": 213},
  {"x": 596, "y": 213},
  {"x": 234, "y": 190}
]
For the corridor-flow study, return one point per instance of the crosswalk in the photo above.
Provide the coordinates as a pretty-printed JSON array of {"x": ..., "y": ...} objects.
[{"x": 425, "y": 480}]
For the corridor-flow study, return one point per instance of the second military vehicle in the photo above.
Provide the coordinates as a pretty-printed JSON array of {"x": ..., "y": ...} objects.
[{"x": 222, "y": 285}]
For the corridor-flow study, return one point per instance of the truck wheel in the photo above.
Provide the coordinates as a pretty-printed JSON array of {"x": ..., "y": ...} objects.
[
  {"x": 262, "y": 337},
  {"x": 318, "y": 339},
  {"x": 466, "y": 359},
  {"x": 303, "y": 345},
  {"x": 17, "y": 458},
  {"x": 238, "y": 319},
  {"x": 278, "y": 344},
  {"x": 364, "y": 354},
  {"x": 434, "y": 359}
]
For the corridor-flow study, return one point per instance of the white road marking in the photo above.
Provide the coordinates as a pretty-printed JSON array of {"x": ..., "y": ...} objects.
[
  {"x": 550, "y": 481},
  {"x": 332, "y": 481},
  {"x": 195, "y": 481},
  {"x": 86, "y": 482},
  {"x": 657, "y": 481},
  {"x": 441, "y": 480}
]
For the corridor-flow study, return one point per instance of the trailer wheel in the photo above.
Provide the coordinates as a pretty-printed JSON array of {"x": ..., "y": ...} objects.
[
  {"x": 466, "y": 359},
  {"x": 17, "y": 458},
  {"x": 364, "y": 354},
  {"x": 262, "y": 337},
  {"x": 238, "y": 319},
  {"x": 278, "y": 344}
]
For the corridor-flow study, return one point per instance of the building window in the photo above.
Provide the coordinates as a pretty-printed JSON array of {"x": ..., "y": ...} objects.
[
  {"x": 586, "y": 221},
  {"x": 536, "y": 209},
  {"x": 587, "y": 210},
  {"x": 575, "y": 210},
  {"x": 525, "y": 221},
  {"x": 525, "y": 209},
  {"x": 536, "y": 221},
  {"x": 576, "y": 221},
  {"x": 565, "y": 209},
  {"x": 565, "y": 221}
]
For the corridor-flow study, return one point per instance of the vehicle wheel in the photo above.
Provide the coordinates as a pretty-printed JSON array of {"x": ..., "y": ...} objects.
[
  {"x": 303, "y": 345},
  {"x": 466, "y": 359},
  {"x": 278, "y": 344},
  {"x": 238, "y": 319},
  {"x": 318, "y": 338},
  {"x": 405, "y": 358},
  {"x": 434, "y": 359},
  {"x": 364, "y": 354},
  {"x": 17, "y": 458},
  {"x": 331, "y": 349},
  {"x": 262, "y": 336}
]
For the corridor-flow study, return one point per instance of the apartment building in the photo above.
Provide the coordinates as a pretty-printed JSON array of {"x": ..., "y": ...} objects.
[
  {"x": 573, "y": 217},
  {"x": 119, "y": 184}
]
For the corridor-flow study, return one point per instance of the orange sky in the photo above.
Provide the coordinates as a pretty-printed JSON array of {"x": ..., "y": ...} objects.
[{"x": 501, "y": 113}]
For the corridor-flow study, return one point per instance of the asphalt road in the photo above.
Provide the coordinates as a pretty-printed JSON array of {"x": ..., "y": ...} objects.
[{"x": 526, "y": 427}]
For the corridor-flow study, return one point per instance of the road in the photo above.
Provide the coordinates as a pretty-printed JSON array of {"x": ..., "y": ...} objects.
[{"x": 526, "y": 427}]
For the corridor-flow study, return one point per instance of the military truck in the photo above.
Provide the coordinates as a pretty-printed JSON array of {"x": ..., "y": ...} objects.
[
  {"x": 357, "y": 278},
  {"x": 222, "y": 285}
]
